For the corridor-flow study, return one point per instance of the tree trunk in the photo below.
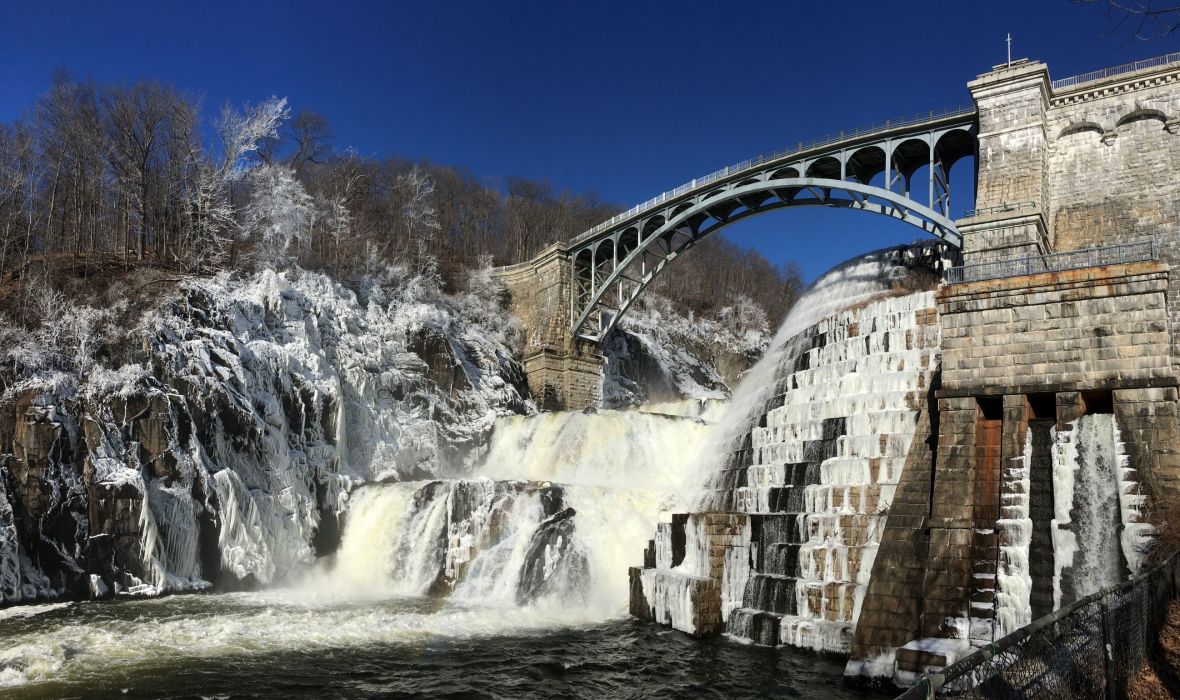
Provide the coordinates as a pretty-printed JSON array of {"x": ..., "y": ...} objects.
[{"x": 142, "y": 215}]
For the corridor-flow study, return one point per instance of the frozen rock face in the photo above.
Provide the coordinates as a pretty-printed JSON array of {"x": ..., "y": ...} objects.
[
  {"x": 661, "y": 354},
  {"x": 220, "y": 452}
]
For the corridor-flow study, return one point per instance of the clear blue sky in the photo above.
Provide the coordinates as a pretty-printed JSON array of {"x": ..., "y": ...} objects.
[{"x": 624, "y": 98}]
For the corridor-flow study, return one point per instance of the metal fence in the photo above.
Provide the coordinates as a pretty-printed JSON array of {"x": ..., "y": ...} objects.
[
  {"x": 1093, "y": 648},
  {"x": 1117, "y": 70},
  {"x": 802, "y": 146},
  {"x": 1135, "y": 251}
]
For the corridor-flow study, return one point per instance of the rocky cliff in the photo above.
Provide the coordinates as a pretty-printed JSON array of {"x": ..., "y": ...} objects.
[
  {"x": 663, "y": 353},
  {"x": 215, "y": 444}
]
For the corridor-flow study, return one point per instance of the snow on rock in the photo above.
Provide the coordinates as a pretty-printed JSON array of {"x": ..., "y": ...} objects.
[
  {"x": 218, "y": 443},
  {"x": 661, "y": 353}
]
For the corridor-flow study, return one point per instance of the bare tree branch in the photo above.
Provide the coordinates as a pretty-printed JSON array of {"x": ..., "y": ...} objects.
[{"x": 1150, "y": 20}]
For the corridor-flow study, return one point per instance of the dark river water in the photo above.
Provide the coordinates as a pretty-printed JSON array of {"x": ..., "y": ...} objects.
[{"x": 272, "y": 645}]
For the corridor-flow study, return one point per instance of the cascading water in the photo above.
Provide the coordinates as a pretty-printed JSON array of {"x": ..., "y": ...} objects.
[
  {"x": 803, "y": 468},
  {"x": 843, "y": 287},
  {"x": 1098, "y": 533},
  {"x": 483, "y": 541},
  {"x": 538, "y": 538},
  {"x": 556, "y": 508}
]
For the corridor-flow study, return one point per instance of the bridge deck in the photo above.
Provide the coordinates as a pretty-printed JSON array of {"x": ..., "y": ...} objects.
[{"x": 816, "y": 148}]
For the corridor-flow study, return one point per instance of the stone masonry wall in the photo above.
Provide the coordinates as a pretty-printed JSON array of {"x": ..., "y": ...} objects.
[
  {"x": 891, "y": 612},
  {"x": 1113, "y": 155},
  {"x": 1102, "y": 327},
  {"x": 1012, "y": 101},
  {"x": 563, "y": 373},
  {"x": 1147, "y": 417},
  {"x": 540, "y": 298}
]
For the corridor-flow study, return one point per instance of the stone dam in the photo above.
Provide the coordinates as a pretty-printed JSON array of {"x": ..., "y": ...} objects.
[{"x": 944, "y": 443}]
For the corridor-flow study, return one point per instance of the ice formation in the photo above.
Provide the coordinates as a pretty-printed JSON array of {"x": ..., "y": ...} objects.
[
  {"x": 809, "y": 454},
  {"x": 222, "y": 450},
  {"x": 1013, "y": 576},
  {"x": 1098, "y": 531}
]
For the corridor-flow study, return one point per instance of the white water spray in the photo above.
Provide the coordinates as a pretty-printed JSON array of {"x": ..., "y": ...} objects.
[{"x": 1098, "y": 535}]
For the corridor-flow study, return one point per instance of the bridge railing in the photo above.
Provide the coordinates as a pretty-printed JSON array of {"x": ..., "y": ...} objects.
[
  {"x": 802, "y": 146},
  {"x": 1116, "y": 70},
  {"x": 1134, "y": 251},
  {"x": 1094, "y": 648}
]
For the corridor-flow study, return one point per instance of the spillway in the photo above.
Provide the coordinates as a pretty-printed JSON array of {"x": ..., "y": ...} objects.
[{"x": 779, "y": 548}]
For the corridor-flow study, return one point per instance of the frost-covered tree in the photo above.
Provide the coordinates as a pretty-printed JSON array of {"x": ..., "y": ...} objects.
[
  {"x": 421, "y": 219},
  {"x": 747, "y": 323},
  {"x": 64, "y": 342},
  {"x": 84, "y": 330},
  {"x": 278, "y": 215},
  {"x": 211, "y": 207},
  {"x": 335, "y": 219}
]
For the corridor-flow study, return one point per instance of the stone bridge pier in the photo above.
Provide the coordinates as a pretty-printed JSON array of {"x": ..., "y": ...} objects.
[{"x": 564, "y": 372}]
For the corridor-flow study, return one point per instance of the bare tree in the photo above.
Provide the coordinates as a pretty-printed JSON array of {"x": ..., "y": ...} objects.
[
  {"x": 421, "y": 218},
  {"x": 312, "y": 139},
  {"x": 1145, "y": 20},
  {"x": 16, "y": 163},
  {"x": 138, "y": 121}
]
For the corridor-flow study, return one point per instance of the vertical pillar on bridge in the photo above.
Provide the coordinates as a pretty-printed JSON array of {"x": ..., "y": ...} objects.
[
  {"x": 564, "y": 373},
  {"x": 1012, "y": 180}
]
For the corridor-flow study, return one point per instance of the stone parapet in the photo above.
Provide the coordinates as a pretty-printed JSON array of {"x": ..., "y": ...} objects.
[{"x": 1095, "y": 328}]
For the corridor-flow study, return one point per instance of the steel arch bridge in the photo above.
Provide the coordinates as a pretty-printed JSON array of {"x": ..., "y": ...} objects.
[{"x": 615, "y": 261}]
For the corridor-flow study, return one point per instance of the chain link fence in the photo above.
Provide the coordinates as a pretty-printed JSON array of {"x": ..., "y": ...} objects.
[{"x": 1093, "y": 648}]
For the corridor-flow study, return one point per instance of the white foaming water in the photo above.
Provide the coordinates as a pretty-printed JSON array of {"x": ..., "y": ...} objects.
[
  {"x": 845, "y": 286},
  {"x": 563, "y": 503},
  {"x": 646, "y": 450},
  {"x": 1098, "y": 533},
  {"x": 247, "y": 624},
  {"x": 545, "y": 545},
  {"x": 1014, "y": 578}
]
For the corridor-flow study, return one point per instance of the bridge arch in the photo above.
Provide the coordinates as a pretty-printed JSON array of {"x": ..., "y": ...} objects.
[
  {"x": 596, "y": 311},
  {"x": 871, "y": 170}
]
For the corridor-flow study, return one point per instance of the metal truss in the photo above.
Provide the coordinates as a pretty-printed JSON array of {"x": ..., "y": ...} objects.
[{"x": 611, "y": 266}]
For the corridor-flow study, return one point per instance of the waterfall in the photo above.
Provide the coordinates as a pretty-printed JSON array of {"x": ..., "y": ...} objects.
[
  {"x": 802, "y": 467},
  {"x": 1098, "y": 562},
  {"x": 1098, "y": 533},
  {"x": 552, "y": 515}
]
